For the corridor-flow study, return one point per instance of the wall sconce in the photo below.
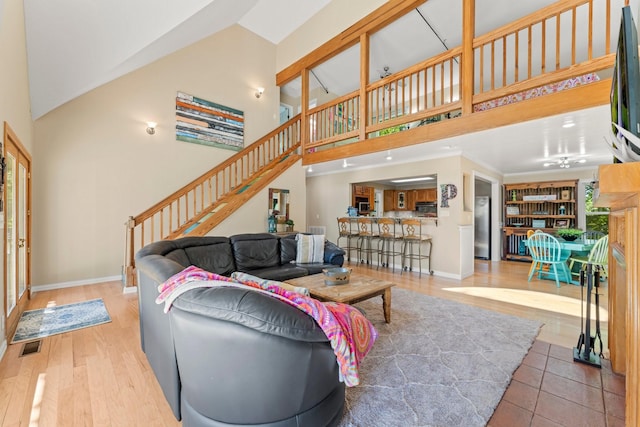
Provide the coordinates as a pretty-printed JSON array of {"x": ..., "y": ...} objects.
[
  {"x": 259, "y": 92},
  {"x": 151, "y": 128}
]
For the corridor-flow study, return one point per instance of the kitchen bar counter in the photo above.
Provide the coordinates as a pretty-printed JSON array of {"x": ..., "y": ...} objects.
[{"x": 423, "y": 219}]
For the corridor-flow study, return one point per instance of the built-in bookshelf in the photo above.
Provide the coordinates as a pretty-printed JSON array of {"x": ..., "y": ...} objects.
[{"x": 544, "y": 206}]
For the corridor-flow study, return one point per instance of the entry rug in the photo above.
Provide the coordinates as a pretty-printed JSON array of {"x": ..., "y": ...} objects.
[{"x": 59, "y": 319}]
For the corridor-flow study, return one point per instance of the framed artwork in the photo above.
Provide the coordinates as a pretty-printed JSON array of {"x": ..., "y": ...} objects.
[
  {"x": 561, "y": 223},
  {"x": 204, "y": 122},
  {"x": 513, "y": 210},
  {"x": 538, "y": 223}
]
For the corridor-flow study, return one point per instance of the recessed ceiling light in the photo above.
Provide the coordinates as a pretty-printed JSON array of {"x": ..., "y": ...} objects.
[
  {"x": 422, "y": 178},
  {"x": 344, "y": 163},
  {"x": 310, "y": 169},
  {"x": 568, "y": 124},
  {"x": 389, "y": 155}
]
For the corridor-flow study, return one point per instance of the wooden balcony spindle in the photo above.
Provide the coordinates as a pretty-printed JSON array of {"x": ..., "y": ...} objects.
[
  {"x": 543, "y": 64},
  {"x": 573, "y": 36},
  {"x": 504, "y": 60},
  {"x": 557, "y": 42},
  {"x": 493, "y": 64}
]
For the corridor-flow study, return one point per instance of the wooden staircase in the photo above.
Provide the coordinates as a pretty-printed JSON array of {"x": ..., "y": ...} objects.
[{"x": 201, "y": 205}]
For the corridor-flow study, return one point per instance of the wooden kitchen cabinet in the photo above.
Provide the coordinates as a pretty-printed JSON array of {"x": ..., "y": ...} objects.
[
  {"x": 431, "y": 195},
  {"x": 361, "y": 190},
  {"x": 389, "y": 200},
  {"x": 411, "y": 200},
  {"x": 398, "y": 200},
  {"x": 405, "y": 200},
  {"x": 425, "y": 195},
  {"x": 361, "y": 195}
]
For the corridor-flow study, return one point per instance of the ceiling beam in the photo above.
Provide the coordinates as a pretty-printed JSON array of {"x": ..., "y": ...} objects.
[{"x": 371, "y": 23}]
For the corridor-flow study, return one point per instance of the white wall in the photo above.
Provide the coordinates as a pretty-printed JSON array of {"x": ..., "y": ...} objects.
[
  {"x": 334, "y": 18},
  {"x": 96, "y": 165},
  {"x": 14, "y": 83}
]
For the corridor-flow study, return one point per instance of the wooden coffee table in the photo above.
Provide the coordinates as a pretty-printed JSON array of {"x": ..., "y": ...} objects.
[{"x": 359, "y": 288}]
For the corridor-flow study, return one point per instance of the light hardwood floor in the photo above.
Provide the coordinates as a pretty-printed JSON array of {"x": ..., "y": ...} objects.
[{"x": 99, "y": 375}]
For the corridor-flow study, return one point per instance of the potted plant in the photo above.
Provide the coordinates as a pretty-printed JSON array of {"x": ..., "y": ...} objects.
[
  {"x": 289, "y": 225},
  {"x": 569, "y": 234}
]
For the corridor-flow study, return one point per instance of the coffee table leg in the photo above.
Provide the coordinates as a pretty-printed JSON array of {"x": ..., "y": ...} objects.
[{"x": 386, "y": 305}]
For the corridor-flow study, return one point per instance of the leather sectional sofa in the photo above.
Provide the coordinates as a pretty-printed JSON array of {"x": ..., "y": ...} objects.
[{"x": 229, "y": 356}]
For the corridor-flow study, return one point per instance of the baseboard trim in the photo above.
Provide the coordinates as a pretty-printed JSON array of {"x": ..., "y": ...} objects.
[{"x": 75, "y": 283}]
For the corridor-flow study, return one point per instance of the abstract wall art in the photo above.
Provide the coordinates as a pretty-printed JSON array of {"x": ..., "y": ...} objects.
[{"x": 204, "y": 122}]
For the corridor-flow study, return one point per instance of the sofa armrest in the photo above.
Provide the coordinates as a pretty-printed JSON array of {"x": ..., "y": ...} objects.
[{"x": 333, "y": 254}]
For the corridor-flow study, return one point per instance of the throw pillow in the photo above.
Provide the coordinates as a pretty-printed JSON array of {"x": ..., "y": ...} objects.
[
  {"x": 310, "y": 248},
  {"x": 265, "y": 284}
]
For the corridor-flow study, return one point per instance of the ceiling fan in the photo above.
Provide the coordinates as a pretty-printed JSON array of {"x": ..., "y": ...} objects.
[
  {"x": 384, "y": 73},
  {"x": 564, "y": 162}
]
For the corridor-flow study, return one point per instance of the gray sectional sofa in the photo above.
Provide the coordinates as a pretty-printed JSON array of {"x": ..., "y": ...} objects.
[{"x": 228, "y": 356}]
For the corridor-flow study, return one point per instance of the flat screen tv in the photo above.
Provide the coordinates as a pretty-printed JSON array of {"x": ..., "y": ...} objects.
[{"x": 625, "y": 86}]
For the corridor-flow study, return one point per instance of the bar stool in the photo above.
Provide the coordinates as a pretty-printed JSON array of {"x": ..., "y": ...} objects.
[
  {"x": 387, "y": 244},
  {"x": 412, "y": 245},
  {"x": 347, "y": 231},
  {"x": 366, "y": 234}
]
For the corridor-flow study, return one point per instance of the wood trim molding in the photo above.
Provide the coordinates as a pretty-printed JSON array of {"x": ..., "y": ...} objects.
[
  {"x": 586, "y": 96},
  {"x": 377, "y": 19}
]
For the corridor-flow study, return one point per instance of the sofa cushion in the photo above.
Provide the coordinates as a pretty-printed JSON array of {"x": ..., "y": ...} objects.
[
  {"x": 216, "y": 257},
  {"x": 288, "y": 249},
  {"x": 255, "y": 251},
  {"x": 280, "y": 273},
  {"x": 315, "y": 268},
  {"x": 310, "y": 248},
  {"x": 246, "y": 277}
]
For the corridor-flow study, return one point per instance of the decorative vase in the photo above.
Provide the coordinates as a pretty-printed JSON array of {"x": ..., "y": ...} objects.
[{"x": 271, "y": 221}]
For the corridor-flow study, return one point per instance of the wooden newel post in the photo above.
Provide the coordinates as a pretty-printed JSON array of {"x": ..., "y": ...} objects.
[{"x": 129, "y": 266}]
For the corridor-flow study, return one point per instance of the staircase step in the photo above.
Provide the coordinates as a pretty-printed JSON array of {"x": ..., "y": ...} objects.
[{"x": 204, "y": 218}]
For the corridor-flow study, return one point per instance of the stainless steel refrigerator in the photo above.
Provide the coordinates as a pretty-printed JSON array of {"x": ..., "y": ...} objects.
[{"x": 482, "y": 227}]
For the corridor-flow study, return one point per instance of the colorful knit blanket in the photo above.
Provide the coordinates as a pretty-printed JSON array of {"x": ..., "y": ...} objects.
[{"x": 350, "y": 333}]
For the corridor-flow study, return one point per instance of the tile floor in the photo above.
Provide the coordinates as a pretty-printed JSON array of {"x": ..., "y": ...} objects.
[{"x": 550, "y": 389}]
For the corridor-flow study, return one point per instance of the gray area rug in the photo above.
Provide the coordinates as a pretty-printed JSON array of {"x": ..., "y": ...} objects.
[{"x": 438, "y": 363}]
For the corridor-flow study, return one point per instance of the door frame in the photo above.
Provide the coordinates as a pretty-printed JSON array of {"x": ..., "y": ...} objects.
[
  {"x": 10, "y": 137},
  {"x": 496, "y": 238}
]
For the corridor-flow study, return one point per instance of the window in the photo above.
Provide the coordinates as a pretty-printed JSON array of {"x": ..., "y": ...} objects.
[{"x": 596, "y": 219}]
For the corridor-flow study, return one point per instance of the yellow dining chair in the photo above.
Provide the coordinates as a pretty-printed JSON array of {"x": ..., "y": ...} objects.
[
  {"x": 598, "y": 256},
  {"x": 529, "y": 234}
]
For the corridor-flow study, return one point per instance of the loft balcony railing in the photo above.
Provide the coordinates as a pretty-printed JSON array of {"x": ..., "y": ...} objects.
[{"x": 568, "y": 41}]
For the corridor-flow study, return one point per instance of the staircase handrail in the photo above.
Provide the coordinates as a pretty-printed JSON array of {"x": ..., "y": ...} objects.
[{"x": 235, "y": 172}]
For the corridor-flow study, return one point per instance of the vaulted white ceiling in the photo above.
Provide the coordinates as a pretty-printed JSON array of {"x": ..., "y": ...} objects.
[{"x": 75, "y": 46}]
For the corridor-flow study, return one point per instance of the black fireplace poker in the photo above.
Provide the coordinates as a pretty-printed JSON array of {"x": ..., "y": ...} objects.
[{"x": 585, "y": 350}]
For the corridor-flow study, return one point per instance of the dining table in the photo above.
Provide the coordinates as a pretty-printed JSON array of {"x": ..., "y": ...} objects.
[{"x": 579, "y": 246}]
